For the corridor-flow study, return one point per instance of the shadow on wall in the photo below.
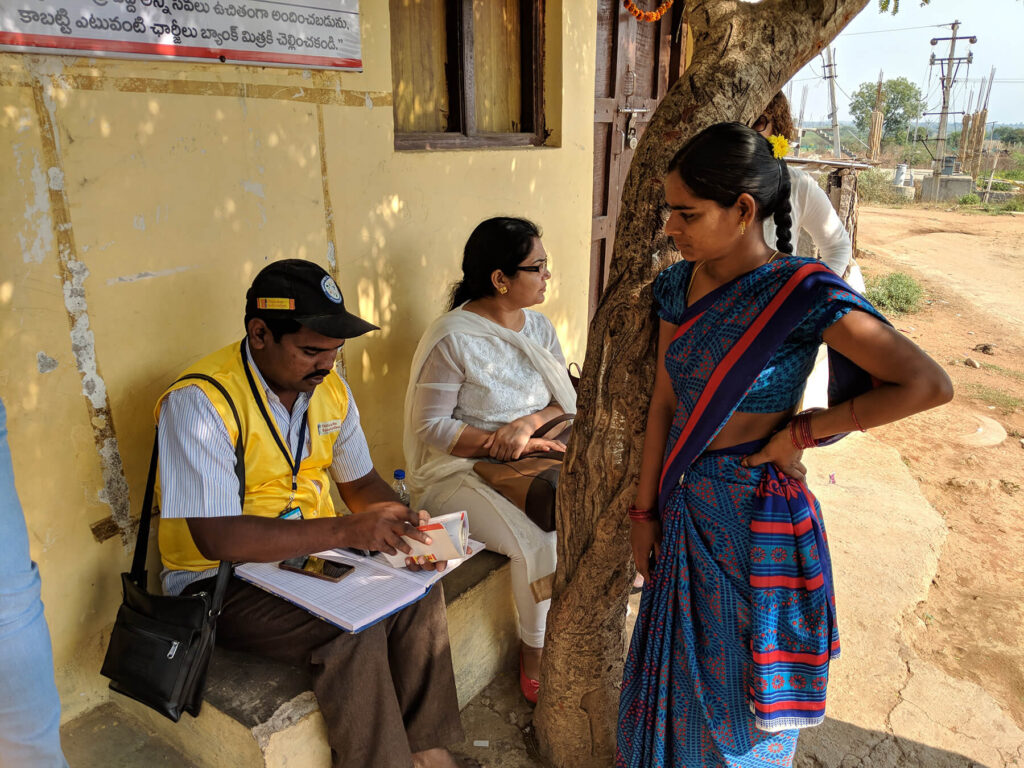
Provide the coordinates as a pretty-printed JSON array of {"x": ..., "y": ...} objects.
[
  {"x": 835, "y": 743},
  {"x": 213, "y": 192},
  {"x": 402, "y": 288}
]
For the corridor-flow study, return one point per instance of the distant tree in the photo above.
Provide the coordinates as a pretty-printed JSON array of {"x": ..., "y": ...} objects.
[
  {"x": 902, "y": 103},
  {"x": 1008, "y": 135}
]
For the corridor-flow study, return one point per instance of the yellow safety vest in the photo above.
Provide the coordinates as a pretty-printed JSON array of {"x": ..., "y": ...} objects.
[{"x": 268, "y": 480}]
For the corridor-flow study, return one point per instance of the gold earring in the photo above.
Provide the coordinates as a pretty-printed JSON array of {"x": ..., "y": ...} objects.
[
  {"x": 502, "y": 289},
  {"x": 743, "y": 228}
]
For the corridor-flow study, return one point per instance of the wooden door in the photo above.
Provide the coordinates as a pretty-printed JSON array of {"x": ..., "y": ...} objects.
[{"x": 636, "y": 64}]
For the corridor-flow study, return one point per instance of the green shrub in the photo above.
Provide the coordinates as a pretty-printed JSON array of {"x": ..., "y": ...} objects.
[
  {"x": 875, "y": 186},
  {"x": 896, "y": 292},
  {"x": 1015, "y": 204},
  {"x": 1001, "y": 186},
  {"x": 1012, "y": 169},
  {"x": 969, "y": 199}
]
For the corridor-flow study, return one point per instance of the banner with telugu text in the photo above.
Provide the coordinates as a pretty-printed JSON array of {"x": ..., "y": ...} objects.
[{"x": 315, "y": 34}]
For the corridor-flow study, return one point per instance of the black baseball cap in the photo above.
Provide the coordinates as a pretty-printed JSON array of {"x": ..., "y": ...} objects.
[{"x": 303, "y": 291}]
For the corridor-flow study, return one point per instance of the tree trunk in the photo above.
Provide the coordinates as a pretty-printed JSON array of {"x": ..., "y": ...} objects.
[
  {"x": 743, "y": 53},
  {"x": 842, "y": 192}
]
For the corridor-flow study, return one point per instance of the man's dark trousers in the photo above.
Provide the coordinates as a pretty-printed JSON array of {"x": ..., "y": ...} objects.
[{"x": 384, "y": 693}]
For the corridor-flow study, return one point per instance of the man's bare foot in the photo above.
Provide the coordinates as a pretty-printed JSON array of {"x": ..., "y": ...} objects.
[
  {"x": 531, "y": 660},
  {"x": 434, "y": 758}
]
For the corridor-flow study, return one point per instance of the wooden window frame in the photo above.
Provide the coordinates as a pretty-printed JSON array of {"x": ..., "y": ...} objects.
[{"x": 462, "y": 89}]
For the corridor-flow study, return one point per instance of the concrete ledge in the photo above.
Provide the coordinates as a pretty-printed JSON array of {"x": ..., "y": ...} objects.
[
  {"x": 949, "y": 187},
  {"x": 258, "y": 712}
]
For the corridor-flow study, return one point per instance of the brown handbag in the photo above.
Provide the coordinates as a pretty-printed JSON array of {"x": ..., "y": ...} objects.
[{"x": 531, "y": 482}]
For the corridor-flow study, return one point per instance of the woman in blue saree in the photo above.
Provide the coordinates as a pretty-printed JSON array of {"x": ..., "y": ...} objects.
[{"x": 729, "y": 656}]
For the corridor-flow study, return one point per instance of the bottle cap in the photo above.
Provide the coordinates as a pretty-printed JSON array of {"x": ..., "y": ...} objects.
[{"x": 399, "y": 474}]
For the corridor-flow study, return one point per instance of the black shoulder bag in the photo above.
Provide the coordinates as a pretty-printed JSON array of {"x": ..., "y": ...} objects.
[{"x": 161, "y": 645}]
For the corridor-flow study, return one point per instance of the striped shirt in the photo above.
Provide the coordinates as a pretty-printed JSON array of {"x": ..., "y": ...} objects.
[{"x": 197, "y": 458}]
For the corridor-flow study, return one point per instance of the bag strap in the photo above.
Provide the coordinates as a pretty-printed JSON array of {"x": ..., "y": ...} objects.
[
  {"x": 574, "y": 377},
  {"x": 138, "y": 571},
  {"x": 545, "y": 428}
]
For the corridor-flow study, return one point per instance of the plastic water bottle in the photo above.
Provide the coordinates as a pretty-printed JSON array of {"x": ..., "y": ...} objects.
[{"x": 400, "y": 488}]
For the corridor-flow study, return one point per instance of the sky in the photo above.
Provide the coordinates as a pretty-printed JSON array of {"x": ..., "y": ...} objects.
[{"x": 874, "y": 41}]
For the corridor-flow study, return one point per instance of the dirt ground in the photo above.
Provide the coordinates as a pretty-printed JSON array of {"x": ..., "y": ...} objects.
[{"x": 971, "y": 266}]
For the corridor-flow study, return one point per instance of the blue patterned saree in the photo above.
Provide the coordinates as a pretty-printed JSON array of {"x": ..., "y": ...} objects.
[{"x": 730, "y": 651}]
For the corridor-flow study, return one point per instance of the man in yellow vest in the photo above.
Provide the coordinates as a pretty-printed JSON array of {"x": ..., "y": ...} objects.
[{"x": 387, "y": 693}]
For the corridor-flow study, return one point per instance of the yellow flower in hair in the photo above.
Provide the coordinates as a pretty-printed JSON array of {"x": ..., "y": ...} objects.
[{"x": 780, "y": 146}]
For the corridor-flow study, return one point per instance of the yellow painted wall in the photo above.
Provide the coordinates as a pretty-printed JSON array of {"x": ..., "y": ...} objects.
[{"x": 141, "y": 197}]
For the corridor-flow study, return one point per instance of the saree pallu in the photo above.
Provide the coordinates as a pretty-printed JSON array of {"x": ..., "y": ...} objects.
[{"x": 737, "y": 622}]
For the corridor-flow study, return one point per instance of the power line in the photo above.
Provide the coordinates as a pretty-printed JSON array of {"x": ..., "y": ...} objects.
[
  {"x": 843, "y": 90},
  {"x": 901, "y": 29}
]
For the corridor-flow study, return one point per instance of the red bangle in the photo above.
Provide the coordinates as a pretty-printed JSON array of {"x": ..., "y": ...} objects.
[
  {"x": 641, "y": 514},
  {"x": 800, "y": 430},
  {"x": 792, "y": 435},
  {"x": 853, "y": 415},
  {"x": 805, "y": 423}
]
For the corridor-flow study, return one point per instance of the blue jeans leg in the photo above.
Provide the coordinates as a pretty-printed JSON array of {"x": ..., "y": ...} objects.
[{"x": 29, "y": 706}]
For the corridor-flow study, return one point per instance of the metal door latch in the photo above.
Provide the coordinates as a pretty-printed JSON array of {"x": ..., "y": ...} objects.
[{"x": 629, "y": 136}]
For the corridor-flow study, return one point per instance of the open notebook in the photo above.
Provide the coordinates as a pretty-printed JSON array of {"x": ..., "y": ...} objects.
[{"x": 373, "y": 591}]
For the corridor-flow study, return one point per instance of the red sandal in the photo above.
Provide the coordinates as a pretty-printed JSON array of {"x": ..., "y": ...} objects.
[{"x": 529, "y": 686}]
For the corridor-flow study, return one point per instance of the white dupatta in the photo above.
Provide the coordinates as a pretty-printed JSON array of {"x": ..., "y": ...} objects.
[
  {"x": 433, "y": 474},
  {"x": 426, "y": 465}
]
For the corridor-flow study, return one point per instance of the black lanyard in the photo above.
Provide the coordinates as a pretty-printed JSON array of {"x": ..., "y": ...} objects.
[{"x": 293, "y": 459}]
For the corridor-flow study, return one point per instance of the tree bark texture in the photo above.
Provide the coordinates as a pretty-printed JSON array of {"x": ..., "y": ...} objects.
[{"x": 743, "y": 53}]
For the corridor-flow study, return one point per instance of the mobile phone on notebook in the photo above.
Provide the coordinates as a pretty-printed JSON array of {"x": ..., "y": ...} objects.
[{"x": 317, "y": 567}]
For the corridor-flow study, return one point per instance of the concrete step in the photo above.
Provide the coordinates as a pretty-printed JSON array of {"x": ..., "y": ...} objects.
[
  {"x": 262, "y": 713},
  {"x": 108, "y": 736}
]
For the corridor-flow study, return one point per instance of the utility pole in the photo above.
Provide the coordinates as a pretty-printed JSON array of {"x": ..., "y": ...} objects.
[
  {"x": 830, "y": 75},
  {"x": 877, "y": 118},
  {"x": 969, "y": 125},
  {"x": 995, "y": 159},
  {"x": 948, "y": 75},
  {"x": 988, "y": 90},
  {"x": 800, "y": 122},
  {"x": 982, "y": 121}
]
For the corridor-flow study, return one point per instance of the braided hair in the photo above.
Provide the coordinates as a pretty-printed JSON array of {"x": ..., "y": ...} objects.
[
  {"x": 783, "y": 215},
  {"x": 726, "y": 160},
  {"x": 499, "y": 243}
]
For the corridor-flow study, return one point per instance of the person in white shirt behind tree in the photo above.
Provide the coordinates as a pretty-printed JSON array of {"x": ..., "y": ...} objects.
[{"x": 813, "y": 213}]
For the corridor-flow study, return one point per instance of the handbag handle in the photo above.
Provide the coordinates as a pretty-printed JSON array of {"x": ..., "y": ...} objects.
[
  {"x": 545, "y": 428},
  {"x": 138, "y": 571},
  {"x": 574, "y": 378}
]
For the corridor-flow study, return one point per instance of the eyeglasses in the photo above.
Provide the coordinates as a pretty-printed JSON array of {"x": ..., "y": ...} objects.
[
  {"x": 535, "y": 269},
  {"x": 761, "y": 123}
]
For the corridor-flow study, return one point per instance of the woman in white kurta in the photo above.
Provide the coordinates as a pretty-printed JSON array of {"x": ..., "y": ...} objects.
[{"x": 485, "y": 376}]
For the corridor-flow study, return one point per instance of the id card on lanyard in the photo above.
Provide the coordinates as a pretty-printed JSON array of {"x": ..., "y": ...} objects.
[{"x": 293, "y": 459}]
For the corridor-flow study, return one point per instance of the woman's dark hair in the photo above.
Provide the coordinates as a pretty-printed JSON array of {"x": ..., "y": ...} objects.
[
  {"x": 727, "y": 159},
  {"x": 499, "y": 243},
  {"x": 782, "y": 119}
]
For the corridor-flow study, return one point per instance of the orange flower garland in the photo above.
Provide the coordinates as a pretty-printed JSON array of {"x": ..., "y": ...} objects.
[{"x": 650, "y": 16}]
